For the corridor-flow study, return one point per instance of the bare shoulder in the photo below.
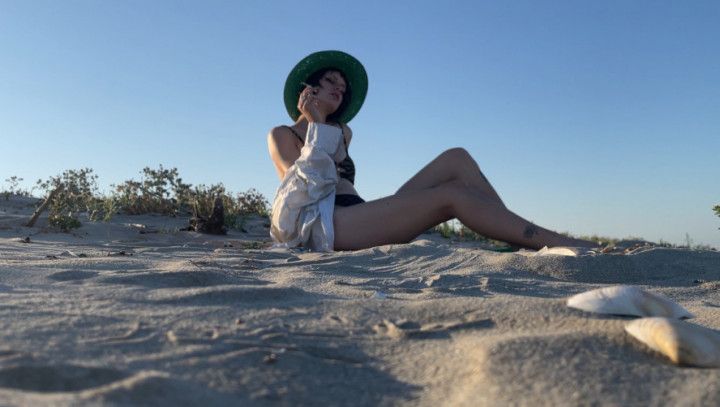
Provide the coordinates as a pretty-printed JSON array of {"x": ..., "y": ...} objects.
[
  {"x": 279, "y": 131},
  {"x": 282, "y": 135}
]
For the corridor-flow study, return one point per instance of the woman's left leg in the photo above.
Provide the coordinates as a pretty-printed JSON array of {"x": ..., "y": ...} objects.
[{"x": 454, "y": 165}]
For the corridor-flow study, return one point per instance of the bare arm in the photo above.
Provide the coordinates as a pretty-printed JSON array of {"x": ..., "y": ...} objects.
[{"x": 283, "y": 149}]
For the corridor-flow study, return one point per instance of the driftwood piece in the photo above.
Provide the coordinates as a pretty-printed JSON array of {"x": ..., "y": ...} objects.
[
  {"x": 214, "y": 225},
  {"x": 44, "y": 206}
]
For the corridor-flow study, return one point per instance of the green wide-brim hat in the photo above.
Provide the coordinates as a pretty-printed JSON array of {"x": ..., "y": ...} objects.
[{"x": 353, "y": 70}]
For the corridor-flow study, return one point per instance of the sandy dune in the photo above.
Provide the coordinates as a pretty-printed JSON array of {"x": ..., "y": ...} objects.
[{"x": 109, "y": 315}]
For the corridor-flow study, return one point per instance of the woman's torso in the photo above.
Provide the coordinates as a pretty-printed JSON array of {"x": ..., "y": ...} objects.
[{"x": 344, "y": 185}]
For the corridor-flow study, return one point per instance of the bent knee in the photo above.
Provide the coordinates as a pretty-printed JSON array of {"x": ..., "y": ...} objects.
[
  {"x": 458, "y": 193},
  {"x": 456, "y": 154},
  {"x": 450, "y": 193}
]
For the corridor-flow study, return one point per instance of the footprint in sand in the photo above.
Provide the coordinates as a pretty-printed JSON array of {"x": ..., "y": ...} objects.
[
  {"x": 73, "y": 384},
  {"x": 404, "y": 329},
  {"x": 72, "y": 275},
  {"x": 182, "y": 279},
  {"x": 229, "y": 295},
  {"x": 61, "y": 378}
]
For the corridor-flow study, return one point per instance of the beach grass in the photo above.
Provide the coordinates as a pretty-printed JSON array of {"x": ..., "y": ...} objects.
[{"x": 159, "y": 191}]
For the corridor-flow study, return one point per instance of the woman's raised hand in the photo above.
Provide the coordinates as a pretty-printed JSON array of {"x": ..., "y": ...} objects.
[{"x": 308, "y": 105}]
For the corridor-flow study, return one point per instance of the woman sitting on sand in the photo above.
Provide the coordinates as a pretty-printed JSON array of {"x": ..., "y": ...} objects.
[{"x": 327, "y": 89}]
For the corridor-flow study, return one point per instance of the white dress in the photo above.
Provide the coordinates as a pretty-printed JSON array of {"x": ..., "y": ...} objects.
[{"x": 302, "y": 212}]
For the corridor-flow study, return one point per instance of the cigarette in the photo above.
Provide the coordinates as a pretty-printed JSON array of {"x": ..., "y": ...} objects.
[{"x": 314, "y": 91}]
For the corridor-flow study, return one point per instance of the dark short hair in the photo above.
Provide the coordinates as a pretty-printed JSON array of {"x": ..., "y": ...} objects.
[{"x": 314, "y": 80}]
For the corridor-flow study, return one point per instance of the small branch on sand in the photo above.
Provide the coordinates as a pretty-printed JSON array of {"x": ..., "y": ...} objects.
[
  {"x": 215, "y": 224},
  {"x": 44, "y": 206}
]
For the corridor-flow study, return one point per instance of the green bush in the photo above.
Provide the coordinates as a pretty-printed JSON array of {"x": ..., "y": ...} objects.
[
  {"x": 160, "y": 191},
  {"x": 13, "y": 188},
  {"x": 103, "y": 209},
  {"x": 445, "y": 230},
  {"x": 64, "y": 222},
  {"x": 252, "y": 202},
  {"x": 76, "y": 193}
]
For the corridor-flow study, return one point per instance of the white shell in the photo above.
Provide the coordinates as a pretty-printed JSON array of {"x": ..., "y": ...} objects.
[
  {"x": 627, "y": 300},
  {"x": 684, "y": 343},
  {"x": 556, "y": 251}
]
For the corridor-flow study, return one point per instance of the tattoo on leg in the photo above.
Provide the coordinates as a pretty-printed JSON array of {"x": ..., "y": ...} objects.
[{"x": 530, "y": 231}]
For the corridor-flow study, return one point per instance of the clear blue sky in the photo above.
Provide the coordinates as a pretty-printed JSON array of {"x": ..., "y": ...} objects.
[{"x": 587, "y": 116}]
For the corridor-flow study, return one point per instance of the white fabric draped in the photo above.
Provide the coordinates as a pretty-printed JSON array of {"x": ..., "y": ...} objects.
[{"x": 302, "y": 212}]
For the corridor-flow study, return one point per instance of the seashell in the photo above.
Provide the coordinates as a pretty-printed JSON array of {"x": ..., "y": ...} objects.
[
  {"x": 627, "y": 300},
  {"x": 556, "y": 251},
  {"x": 684, "y": 343}
]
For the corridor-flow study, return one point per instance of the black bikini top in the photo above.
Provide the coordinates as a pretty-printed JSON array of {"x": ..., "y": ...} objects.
[{"x": 346, "y": 168}]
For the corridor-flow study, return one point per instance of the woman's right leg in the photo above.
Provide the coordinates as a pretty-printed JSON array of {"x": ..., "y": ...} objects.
[
  {"x": 394, "y": 219},
  {"x": 402, "y": 217}
]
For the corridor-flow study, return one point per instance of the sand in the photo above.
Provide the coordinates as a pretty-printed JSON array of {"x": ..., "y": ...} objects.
[{"x": 107, "y": 315}]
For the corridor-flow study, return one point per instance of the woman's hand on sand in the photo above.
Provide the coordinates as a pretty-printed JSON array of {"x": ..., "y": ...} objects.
[{"x": 308, "y": 105}]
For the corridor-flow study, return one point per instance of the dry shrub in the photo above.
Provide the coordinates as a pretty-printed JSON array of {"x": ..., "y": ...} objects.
[
  {"x": 160, "y": 191},
  {"x": 77, "y": 190}
]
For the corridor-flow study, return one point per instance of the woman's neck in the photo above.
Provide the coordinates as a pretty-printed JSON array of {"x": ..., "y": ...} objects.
[{"x": 301, "y": 125}]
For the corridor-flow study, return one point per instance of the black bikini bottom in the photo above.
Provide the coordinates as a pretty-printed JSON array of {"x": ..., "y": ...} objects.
[{"x": 348, "y": 200}]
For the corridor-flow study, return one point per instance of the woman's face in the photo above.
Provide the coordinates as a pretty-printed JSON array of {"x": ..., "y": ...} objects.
[{"x": 331, "y": 90}]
